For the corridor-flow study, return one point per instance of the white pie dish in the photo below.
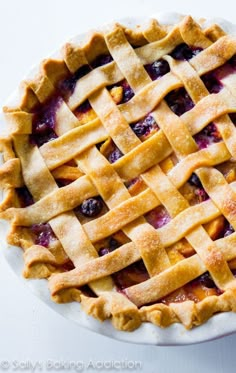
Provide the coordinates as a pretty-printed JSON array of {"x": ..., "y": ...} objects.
[{"x": 217, "y": 326}]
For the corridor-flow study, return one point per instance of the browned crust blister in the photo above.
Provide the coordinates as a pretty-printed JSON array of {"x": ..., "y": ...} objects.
[{"x": 25, "y": 164}]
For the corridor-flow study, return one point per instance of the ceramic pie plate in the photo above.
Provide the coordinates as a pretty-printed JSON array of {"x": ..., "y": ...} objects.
[{"x": 218, "y": 326}]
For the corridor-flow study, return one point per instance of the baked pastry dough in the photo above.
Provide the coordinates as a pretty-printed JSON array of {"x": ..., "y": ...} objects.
[{"x": 119, "y": 174}]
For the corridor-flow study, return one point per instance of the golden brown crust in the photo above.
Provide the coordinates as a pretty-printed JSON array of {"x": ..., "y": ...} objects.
[{"x": 37, "y": 168}]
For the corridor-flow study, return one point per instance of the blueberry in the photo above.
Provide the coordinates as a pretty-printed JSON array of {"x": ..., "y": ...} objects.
[
  {"x": 157, "y": 69},
  {"x": 113, "y": 243},
  {"x": 25, "y": 197},
  {"x": 43, "y": 234},
  {"x": 91, "y": 207},
  {"x": 229, "y": 230},
  {"x": 212, "y": 83},
  {"x": 145, "y": 126},
  {"x": 233, "y": 118},
  {"x": 67, "y": 86},
  {"x": 128, "y": 93},
  {"x": 103, "y": 251},
  {"x": 195, "y": 181},
  {"x": 179, "y": 101},
  {"x": 232, "y": 61},
  {"x": 115, "y": 155},
  {"x": 101, "y": 60},
  {"x": 184, "y": 52},
  {"x": 206, "y": 280}
]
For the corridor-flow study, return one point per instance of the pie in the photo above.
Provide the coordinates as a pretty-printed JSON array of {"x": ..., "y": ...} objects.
[{"x": 119, "y": 174}]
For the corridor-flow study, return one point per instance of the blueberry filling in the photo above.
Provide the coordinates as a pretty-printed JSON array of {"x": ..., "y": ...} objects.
[
  {"x": 83, "y": 108},
  {"x": 209, "y": 135},
  {"x": 128, "y": 93},
  {"x": 131, "y": 275},
  {"x": 199, "y": 191},
  {"x": 101, "y": 60},
  {"x": 228, "y": 230},
  {"x": 85, "y": 289},
  {"x": 43, "y": 234},
  {"x": 44, "y": 122},
  {"x": 212, "y": 83},
  {"x": 25, "y": 197},
  {"x": 157, "y": 69},
  {"x": 68, "y": 266},
  {"x": 195, "y": 181},
  {"x": 63, "y": 182},
  {"x": 144, "y": 127},
  {"x": 179, "y": 101},
  {"x": 91, "y": 207},
  {"x": 233, "y": 118},
  {"x": 67, "y": 86},
  {"x": 114, "y": 155},
  {"x": 184, "y": 52},
  {"x": 205, "y": 280},
  {"x": 232, "y": 61},
  {"x": 158, "y": 217},
  {"x": 112, "y": 245}
]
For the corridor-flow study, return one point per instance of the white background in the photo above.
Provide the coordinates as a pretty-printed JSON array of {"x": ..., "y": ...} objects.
[{"x": 29, "y": 330}]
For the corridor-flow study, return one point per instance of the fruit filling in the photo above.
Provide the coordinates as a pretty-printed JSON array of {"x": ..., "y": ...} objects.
[
  {"x": 66, "y": 86},
  {"x": 184, "y": 52},
  {"x": 179, "y": 101},
  {"x": 44, "y": 122},
  {"x": 43, "y": 234},
  {"x": 101, "y": 60},
  {"x": 145, "y": 127},
  {"x": 121, "y": 92},
  {"x": 196, "y": 290},
  {"x": 207, "y": 136},
  {"x": 110, "y": 151},
  {"x": 24, "y": 196},
  {"x": 157, "y": 69},
  {"x": 158, "y": 217},
  {"x": 91, "y": 207}
]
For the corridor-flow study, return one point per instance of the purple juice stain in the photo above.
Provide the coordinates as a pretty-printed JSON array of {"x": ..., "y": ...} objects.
[
  {"x": 158, "y": 217},
  {"x": 145, "y": 126},
  {"x": 184, "y": 52},
  {"x": 43, "y": 234},
  {"x": 208, "y": 136},
  {"x": 25, "y": 197},
  {"x": 44, "y": 122},
  {"x": 66, "y": 87},
  {"x": 157, "y": 69},
  {"x": 101, "y": 60},
  {"x": 179, "y": 101}
]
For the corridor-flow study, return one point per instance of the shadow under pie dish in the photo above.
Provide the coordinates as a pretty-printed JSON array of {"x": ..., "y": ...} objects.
[{"x": 119, "y": 174}]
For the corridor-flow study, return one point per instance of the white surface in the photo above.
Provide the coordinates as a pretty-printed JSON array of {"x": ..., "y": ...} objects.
[{"x": 29, "y": 331}]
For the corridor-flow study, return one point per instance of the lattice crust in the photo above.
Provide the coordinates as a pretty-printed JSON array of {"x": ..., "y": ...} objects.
[{"x": 74, "y": 154}]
